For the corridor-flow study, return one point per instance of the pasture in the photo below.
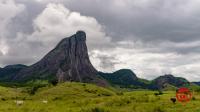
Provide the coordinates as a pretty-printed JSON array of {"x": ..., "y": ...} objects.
[{"x": 79, "y": 97}]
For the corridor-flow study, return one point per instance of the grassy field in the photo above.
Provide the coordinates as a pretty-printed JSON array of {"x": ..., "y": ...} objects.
[{"x": 78, "y": 97}]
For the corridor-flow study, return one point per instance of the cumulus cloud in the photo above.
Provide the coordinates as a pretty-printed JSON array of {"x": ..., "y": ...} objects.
[
  {"x": 56, "y": 21},
  {"x": 49, "y": 27}
]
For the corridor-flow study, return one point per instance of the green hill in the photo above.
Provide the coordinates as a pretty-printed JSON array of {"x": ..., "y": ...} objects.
[
  {"x": 125, "y": 78},
  {"x": 169, "y": 81}
]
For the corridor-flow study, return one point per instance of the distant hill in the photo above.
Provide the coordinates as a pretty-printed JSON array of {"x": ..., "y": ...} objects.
[
  {"x": 197, "y": 83},
  {"x": 7, "y": 72},
  {"x": 168, "y": 80},
  {"x": 124, "y": 78}
]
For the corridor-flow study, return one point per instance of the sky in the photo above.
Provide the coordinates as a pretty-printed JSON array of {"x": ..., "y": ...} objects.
[{"x": 150, "y": 37}]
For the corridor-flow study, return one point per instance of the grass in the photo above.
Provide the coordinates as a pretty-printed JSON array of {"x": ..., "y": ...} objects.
[{"x": 79, "y": 97}]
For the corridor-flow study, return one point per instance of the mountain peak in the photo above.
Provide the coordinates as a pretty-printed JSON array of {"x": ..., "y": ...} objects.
[
  {"x": 80, "y": 35},
  {"x": 68, "y": 61},
  {"x": 168, "y": 75}
]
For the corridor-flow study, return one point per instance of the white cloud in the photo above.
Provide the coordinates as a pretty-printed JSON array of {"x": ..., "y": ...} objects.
[
  {"x": 50, "y": 1},
  {"x": 56, "y": 22},
  {"x": 8, "y": 10},
  {"x": 3, "y": 47},
  {"x": 189, "y": 71}
]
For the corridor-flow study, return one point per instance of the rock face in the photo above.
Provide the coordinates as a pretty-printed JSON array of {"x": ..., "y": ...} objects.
[{"x": 68, "y": 61}]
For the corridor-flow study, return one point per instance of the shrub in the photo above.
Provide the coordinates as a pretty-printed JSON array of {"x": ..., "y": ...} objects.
[
  {"x": 198, "y": 90},
  {"x": 57, "y": 98},
  {"x": 106, "y": 94},
  {"x": 83, "y": 85},
  {"x": 94, "y": 109},
  {"x": 142, "y": 99},
  {"x": 3, "y": 99},
  {"x": 120, "y": 93},
  {"x": 54, "y": 82},
  {"x": 193, "y": 98},
  {"x": 158, "y": 93},
  {"x": 91, "y": 91},
  {"x": 98, "y": 109},
  {"x": 158, "y": 109},
  {"x": 132, "y": 98},
  {"x": 33, "y": 90},
  {"x": 24, "y": 98}
]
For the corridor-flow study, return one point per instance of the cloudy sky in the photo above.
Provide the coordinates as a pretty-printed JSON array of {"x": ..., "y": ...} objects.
[{"x": 151, "y": 37}]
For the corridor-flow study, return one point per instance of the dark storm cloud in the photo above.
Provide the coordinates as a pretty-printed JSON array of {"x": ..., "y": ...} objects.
[
  {"x": 152, "y": 22},
  {"x": 146, "y": 20}
]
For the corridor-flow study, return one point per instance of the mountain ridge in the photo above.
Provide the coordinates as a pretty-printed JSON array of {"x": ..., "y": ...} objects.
[{"x": 69, "y": 61}]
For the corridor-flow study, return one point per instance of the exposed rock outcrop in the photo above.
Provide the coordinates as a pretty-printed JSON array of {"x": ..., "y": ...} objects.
[{"x": 68, "y": 61}]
